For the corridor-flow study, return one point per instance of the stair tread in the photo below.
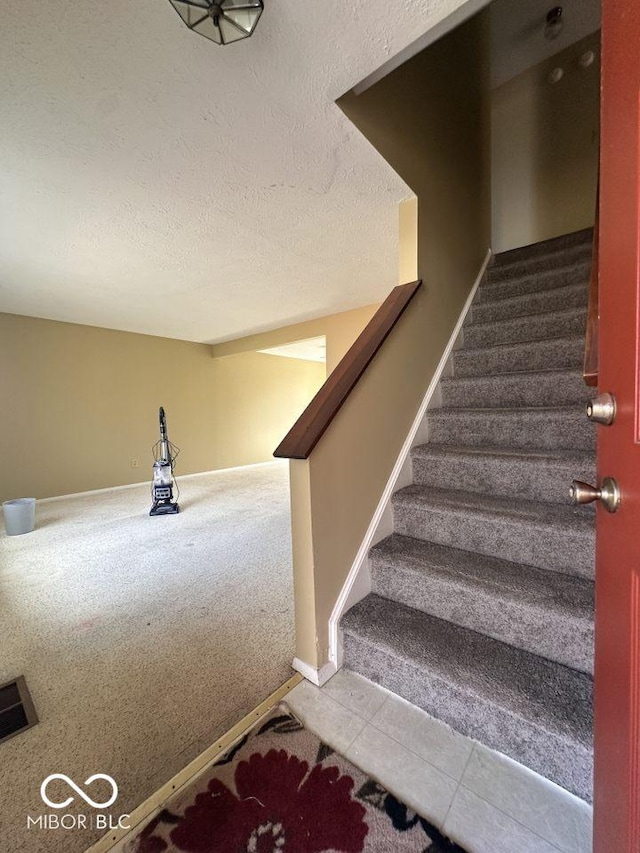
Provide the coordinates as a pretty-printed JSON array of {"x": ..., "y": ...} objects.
[
  {"x": 560, "y": 386},
  {"x": 535, "y": 513},
  {"x": 490, "y": 284},
  {"x": 550, "y": 695},
  {"x": 584, "y": 259},
  {"x": 562, "y": 263},
  {"x": 552, "y": 456},
  {"x": 543, "y": 372},
  {"x": 566, "y": 313},
  {"x": 482, "y": 361},
  {"x": 567, "y": 284},
  {"x": 520, "y": 344},
  {"x": 515, "y": 582},
  {"x": 564, "y": 243},
  {"x": 540, "y": 472},
  {"x": 505, "y": 410}
]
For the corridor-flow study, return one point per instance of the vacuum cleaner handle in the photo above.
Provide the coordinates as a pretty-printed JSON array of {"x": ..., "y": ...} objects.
[{"x": 163, "y": 425}]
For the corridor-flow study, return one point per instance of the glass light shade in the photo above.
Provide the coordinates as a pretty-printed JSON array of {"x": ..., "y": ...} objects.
[{"x": 223, "y": 21}]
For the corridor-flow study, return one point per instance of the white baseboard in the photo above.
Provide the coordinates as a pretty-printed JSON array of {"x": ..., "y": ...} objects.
[
  {"x": 315, "y": 676},
  {"x": 358, "y": 582},
  {"x": 180, "y": 477}
]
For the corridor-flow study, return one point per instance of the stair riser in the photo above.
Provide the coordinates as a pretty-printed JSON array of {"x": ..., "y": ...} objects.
[
  {"x": 558, "y": 299},
  {"x": 565, "y": 762},
  {"x": 554, "y": 389},
  {"x": 561, "y": 639},
  {"x": 530, "y": 479},
  {"x": 532, "y": 328},
  {"x": 540, "y": 355},
  {"x": 521, "y": 287},
  {"x": 545, "y": 429},
  {"x": 576, "y": 256},
  {"x": 559, "y": 549}
]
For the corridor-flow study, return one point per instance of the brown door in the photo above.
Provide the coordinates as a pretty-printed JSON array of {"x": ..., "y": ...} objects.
[{"x": 617, "y": 671}]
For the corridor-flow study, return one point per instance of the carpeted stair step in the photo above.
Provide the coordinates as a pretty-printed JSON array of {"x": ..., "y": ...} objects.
[
  {"x": 575, "y": 275},
  {"x": 557, "y": 246},
  {"x": 539, "y": 258},
  {"x": 541, "y": 428},
  {"x": 548, "y": 536},
  {"x": 551, "y": 387},
  {"x": 538, "y": 265},
  {"x": 571, "y": 321},
  {"x": 553, "y": 353},
  {"x": 545, "y": 613},
  {"x": 534, "y": 710},
  {"x": 536, "y": 302},
  {"x": 531, "y": 475}
]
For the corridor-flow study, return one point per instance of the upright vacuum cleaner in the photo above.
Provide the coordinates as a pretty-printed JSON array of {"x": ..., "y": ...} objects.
[{"x": 165, "y": 455}]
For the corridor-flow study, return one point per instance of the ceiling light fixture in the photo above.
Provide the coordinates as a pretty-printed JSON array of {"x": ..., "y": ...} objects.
[
  {"x": 222, "y": 21},
  {"x": 554, "y": 23}
]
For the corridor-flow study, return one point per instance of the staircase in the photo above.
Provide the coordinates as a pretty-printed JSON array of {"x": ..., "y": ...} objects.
[{"x": 482, "y": 605}]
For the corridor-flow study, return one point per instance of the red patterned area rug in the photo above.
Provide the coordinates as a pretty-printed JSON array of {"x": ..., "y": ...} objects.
[{"x": 281, "y": 790}]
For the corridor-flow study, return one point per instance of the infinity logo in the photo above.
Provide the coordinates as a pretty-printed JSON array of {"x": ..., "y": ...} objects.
[{"x": 81, "y": 793}]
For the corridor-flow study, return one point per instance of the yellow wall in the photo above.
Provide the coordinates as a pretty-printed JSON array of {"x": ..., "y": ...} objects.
[
  {"x": 408, "y": 241},
  {"x": 79, "y": 403},
  {"x": 430, "y": 120},
  {"x": 545, "y": 142},
  {"x": 258, "y": 398},
  {"x": 340, "y": 330}
]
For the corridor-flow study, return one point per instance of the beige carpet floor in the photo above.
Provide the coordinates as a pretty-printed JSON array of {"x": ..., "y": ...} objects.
[{"x": 142, "y": 639}]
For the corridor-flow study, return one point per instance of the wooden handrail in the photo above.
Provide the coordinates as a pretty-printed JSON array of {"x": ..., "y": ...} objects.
[
  {"x": 590, "y": 371},
  {"x": 314, "y": 421}
]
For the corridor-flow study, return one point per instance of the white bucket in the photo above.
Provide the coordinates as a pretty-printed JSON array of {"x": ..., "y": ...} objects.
[{"x": 19, "y": 516}]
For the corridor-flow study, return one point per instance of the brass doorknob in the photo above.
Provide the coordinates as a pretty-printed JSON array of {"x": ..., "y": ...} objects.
[{"x": 608, "y": 494}]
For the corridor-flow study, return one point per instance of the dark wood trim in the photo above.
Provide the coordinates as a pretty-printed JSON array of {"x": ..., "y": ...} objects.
[
  {"x": 314, "y": 421},
  {"x": 590, "y": 371}
]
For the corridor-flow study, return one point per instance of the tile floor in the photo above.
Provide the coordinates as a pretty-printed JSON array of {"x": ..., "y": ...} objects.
[{"x": 479, "y": 798}]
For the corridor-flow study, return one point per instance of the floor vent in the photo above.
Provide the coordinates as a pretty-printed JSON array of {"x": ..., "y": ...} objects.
[{"x": 16, "y": 709}]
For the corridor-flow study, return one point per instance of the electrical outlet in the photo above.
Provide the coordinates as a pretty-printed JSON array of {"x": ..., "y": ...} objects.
[{"x": 135, "y": 463}]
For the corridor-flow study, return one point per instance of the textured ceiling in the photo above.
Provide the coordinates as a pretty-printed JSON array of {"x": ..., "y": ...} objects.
[{"x": 152, "y": 181}]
